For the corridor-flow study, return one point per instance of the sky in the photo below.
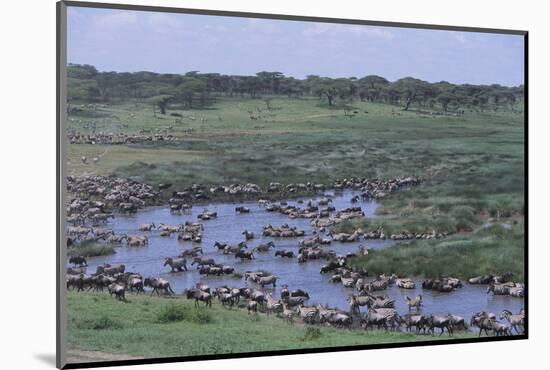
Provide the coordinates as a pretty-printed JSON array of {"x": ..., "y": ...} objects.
[{"x": 131, "y": 41}]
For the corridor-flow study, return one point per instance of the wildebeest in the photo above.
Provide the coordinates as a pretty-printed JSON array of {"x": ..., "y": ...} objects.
[
  {"x": 158, "y": 285},
  {"x": 267, "y": 280},
  {"x": 248, "y": 235},
  {"x": 242, "y": 209},
  {"x": 441, "y": 322},
  {"x": 199, "y": 295},
  {"x": 176, "y": 264},
  {"x": 299, "y": 293},
  {"x": 482, "y": 320},
  {"x": 201, "y": 262},
  {"x": 416, "y": 320},
  {"x": 118, "y": 290},
  {"x": 78, "y": 261},
  {"x": 253, "y": 295},
  {"x": 211, "y": 270},
  {"x": 285, "y": 253},
  {"x": 135, "y": 283},
  {"x": 457, "y": 322},
  {"x": 252, "y": 306},
  {"x": 244, "y": 255}
]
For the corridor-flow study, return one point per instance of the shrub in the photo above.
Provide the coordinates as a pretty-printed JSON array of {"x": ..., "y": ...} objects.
[
  {"x": 172, "y": 313},
  {"x": 312, "y": 333},
  {"x": 202, "y": 316},
  {"x": 176, "y": 312}
]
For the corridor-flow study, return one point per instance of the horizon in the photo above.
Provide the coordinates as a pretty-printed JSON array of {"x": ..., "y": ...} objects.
[
  {"x": 169, "y": 43},
  {"x": 301, "y": 79}
]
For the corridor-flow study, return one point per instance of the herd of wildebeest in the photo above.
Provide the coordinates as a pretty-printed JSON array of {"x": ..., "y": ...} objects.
[{"x": 94, "y": 200}]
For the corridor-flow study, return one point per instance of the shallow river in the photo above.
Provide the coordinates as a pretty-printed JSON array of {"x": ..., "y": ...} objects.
[{"x": 228, "y": 228}]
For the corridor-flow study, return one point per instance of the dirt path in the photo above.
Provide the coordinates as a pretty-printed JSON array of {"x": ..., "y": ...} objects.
[{"x": 78, "y": 355}]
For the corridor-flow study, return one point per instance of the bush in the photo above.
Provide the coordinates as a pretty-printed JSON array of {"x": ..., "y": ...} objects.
[
  {"x": 172, "y": 313},
  {"x": 312, "y": 333},
  {"x": 176, "y": 312},
  {"x": 202, "y": 316}
]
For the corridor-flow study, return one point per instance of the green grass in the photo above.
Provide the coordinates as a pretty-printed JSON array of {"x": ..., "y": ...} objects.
[
  {"x": 157, "y": 327},
  {"x": 91, "y": 250},
  {"x": 493, "y": 250}
]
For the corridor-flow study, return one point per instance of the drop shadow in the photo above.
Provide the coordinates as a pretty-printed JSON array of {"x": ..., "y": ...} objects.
[{"x": 47, "y": 358}]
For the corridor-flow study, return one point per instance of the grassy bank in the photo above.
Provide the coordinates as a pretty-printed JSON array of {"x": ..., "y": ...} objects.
[
  {"x": 493, "y": 250},
  {"x": 91, "y": 250},
  {"x": 156, "y": 327}
]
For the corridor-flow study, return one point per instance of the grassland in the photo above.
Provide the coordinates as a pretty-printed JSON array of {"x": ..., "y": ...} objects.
[
  {"x": 159, "y": 327},
  {"x": 486, "y": 251},
  {"x": 473, "y": 167}
]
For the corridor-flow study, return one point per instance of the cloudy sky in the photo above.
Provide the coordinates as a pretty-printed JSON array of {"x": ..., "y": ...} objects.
[{"x": 121, "y": 40}]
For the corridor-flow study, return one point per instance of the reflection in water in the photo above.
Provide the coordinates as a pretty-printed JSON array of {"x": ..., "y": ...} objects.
[{"x": 228, "y": 228}]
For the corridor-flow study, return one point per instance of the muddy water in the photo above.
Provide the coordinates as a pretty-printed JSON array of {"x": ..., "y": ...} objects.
[{"x": 228, "y": 228}]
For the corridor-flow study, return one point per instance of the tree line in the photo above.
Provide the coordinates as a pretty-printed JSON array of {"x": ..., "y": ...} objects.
[{"x": 198, "y": 90}]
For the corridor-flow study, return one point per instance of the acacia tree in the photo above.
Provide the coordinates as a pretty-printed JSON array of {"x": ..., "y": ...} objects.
[
  {"x": 189, "y": 88},
  {"x": 445, "y": 99},
  {"x": 370, "y": 87},
  {"x": 161, "y": 101},
  {"x": 411, "y": 90},
  {"x": 332, "y": 88},
  {"x": 85, "y": 83}
]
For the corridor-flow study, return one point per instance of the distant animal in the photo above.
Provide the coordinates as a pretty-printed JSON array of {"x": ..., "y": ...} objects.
[
  {"x": 158, "y": 285},
  {"x": 199, "y": 295},
  {"x": 285, "y": 253},
  {"x": 118, "y": 290},
  {"x": 252, "y": 306},
  {"x": 441, "y": 322},
  {"x": 78, "y": 261},
  {"x": 267, "y": 280},
  {"x": 244, "y": 255},
  {"x": 176, "y": 264},
  {"x": 200, "y": 262},
  {"x": 147, "y": 227},
  {"x": 248, "y": 235},
  {"x": 264, "y": 247},
  {"x": 515, "y": 320},
  {"x": 415, "y": 303}
]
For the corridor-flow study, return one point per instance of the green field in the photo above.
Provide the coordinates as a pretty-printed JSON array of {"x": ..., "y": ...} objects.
[{"x": 159, "y": 327}]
